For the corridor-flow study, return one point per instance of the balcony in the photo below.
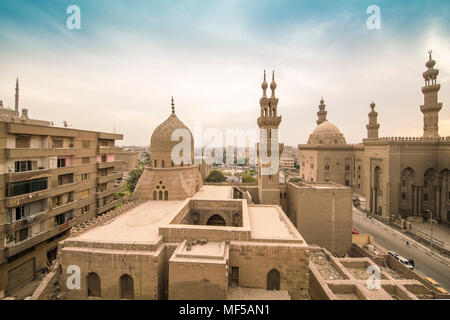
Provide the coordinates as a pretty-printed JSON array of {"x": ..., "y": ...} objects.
[
  {"x": 19, "y": 128},
  {"x": 25, "y": 198},
  {"x": 75, "y": 204},
  {"x": 109, "y": 177},
  {"x": 13, "y": 153},
  {"x": 22, "y": 223},
  {"x": 105, "y": 193},
  {"x": 15, "y": 248},
  {"x": 26, "y": 175},
  {"x": 107, "y": 206},
  {"x": 108, "y": 150},
  {"x": 103, "y": 165}
]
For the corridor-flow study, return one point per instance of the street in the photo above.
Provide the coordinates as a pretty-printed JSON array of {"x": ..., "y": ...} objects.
[{"x": 383, "y": 237}]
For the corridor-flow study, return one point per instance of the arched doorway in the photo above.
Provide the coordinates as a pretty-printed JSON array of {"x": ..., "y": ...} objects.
[
  {"x": 93, "y": 285},
  {"x": 166, "y": 195},
  {"x": 273, "y": 280},
  {"x": 406, "y": 192},
  {"x": 216, "y": 220},
  {"x": 376, "y": 190},
  {"x": 126, "y": 287},
  {"x": 430, "y": 184}
]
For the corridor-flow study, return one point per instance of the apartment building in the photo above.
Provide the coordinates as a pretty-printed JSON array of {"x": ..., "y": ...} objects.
[{"x": 51, "y": 178}]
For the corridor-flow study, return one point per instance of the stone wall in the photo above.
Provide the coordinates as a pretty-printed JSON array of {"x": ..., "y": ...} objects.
[
  {"x": 256, "y": 260},
  {"x": 323, "y": 216}
]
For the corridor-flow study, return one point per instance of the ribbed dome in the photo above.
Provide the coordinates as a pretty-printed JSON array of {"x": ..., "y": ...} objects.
[
  {"x": 161, "y": 138},
  {"x": 326, "y": 133}
]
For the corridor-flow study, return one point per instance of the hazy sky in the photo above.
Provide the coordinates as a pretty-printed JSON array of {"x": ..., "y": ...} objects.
[{"x": 129, "y": 57}]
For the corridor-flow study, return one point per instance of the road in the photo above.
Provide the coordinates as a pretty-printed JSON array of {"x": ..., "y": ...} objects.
[{"x": 424, "y": 264}]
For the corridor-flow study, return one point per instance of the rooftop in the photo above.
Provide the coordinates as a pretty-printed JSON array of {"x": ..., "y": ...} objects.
[
  {"x": 214, "y": 193},
  {"x": 140, "y": 224}
]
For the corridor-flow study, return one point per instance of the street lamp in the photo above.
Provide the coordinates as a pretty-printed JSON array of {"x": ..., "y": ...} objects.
[{"x": 431, "y": 229}]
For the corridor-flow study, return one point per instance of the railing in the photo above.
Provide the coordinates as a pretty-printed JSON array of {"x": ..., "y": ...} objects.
[{"x": 427, "y": 237}]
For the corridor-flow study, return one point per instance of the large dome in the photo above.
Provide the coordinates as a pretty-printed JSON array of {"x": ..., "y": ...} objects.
[
  {"x": 161, "y": 140},
  {"x": 161, "y": 143},
  {"x": 326, "y": 133}
]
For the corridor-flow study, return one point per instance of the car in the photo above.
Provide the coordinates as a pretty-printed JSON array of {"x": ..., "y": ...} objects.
[
  {"x": 354, "y": 231},
  {"x": 394, "y": 254},
  {"x": 406, "y": 262},
  {"x": 436, "y": 285}
]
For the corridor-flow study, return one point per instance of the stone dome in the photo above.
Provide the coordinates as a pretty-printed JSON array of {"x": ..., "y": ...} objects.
[
  {"x": 161, "y": 143},
  {"x": 326, "y": 133}
]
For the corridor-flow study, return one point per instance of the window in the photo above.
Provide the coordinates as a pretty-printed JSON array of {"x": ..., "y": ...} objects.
[
  {"x": 57, "y": 201},
  {"x": 404, "y": 183},
  {"x": 347, "y": 167},
  {"x": 61, "y": 162},
  {"x": 84, "y": 209},
  {"x": 327, "y": 167},
  {"x": 63, "y": 217},
  {"x": 22, "y": 234},
  {"x": 85, "y": 160},
  {"x": 19, "y": 188},
  {"x": 57, "y": 142},
  {"x": 425, "y": 183},
  {"x": 126, "y": 287},
  {"x": 403, "y": 195},
  {"x": 27, "y": 165},
  {"x": 93, "y": 285},
  {"x": 85, "y": 176},
  {"x": 235, "y": 276},
  {"x": 22, "y": 141},
  {"x": 104, "y": 158},
  {"x": 425, "y": 197},
  {"x": 86, "y": 144},
  {"x": 347, "y": 182},
  {"x": 85, "y": 193},
  {"x": 65, "y": 178}
]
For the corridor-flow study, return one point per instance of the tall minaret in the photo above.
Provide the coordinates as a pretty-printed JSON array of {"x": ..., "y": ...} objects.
[
  {"x": 431, "y": 106},
  {"x": 268, "y": 122},
  {"x": 17, "y": 97},
  {"x": 373, "y": 126},
  {"x": 321, "y": 114}
]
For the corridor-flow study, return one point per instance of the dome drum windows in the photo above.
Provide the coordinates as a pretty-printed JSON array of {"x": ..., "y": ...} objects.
[{"x": 160, "y": 192}]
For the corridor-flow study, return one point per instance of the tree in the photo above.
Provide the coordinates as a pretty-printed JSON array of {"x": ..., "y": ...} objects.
[
  {"x": 248, "y": 179},
  {"x": 215, "y": 176},
  {"x": 133, "y": 178}
]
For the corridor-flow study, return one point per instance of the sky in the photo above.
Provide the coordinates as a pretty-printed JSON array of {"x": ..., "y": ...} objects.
[{"x": 118, "y": 72}]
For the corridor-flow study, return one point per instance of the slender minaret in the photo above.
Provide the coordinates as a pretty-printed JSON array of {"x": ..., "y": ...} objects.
[
  {"x": 17, "y": 97},
  {"x": 431, "y": 106},
  {"x": 268, "y": 122},
  {"x": 321, "y": 114},
  {"x": 373, "y": 126}
]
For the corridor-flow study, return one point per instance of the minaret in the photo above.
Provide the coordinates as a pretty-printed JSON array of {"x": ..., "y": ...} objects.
[
  {"x": 268, "y": 122},
  {"x": 373, "y": 126},
  {"x": 321, "y": 114},
  {"x": 431, "y": 106},
  {"x": 17, "y": 97}
]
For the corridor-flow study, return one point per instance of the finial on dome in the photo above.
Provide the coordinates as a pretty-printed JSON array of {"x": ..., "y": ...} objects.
[
  {"x": 273, "y": 84},
  {"x": 430, "y": 63},
  {"x": 264, "y": 84},
  {"x": 173, "y": 106}
]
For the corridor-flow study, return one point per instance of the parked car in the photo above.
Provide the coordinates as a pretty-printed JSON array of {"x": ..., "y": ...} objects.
[
  {"x": 394, "y": 254},
  {"x": 436, "y": 285},
  {"x": 354, "y": 231},
  {"x": 406, "y": 262}
]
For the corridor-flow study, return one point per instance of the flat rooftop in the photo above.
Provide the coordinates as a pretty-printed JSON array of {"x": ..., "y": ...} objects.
[
  {"x": 139, "y": 224},
  {"x": 214, "y": 193},
  {"x": 266, "y": 222}
]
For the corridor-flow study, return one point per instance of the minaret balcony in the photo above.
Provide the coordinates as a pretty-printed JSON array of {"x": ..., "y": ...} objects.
[{"x": 269, "y": 121}]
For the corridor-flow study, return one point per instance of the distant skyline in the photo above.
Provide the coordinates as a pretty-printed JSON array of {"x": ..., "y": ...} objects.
[{"x": 121, "y": 68}]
